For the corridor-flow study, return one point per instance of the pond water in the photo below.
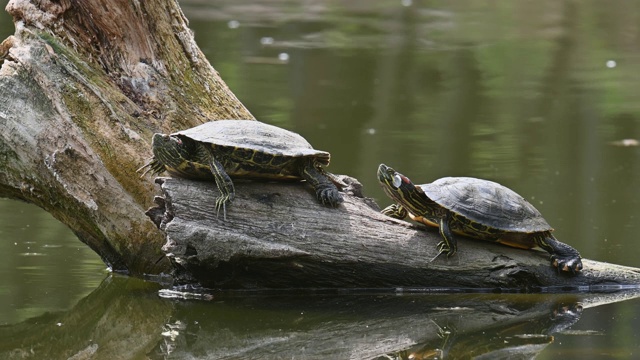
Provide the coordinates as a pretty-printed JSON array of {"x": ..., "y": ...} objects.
[{"x": 539, "y": 96}]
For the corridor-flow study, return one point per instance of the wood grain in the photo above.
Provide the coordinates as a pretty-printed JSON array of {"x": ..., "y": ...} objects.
[{"x": 276, "y": 235}]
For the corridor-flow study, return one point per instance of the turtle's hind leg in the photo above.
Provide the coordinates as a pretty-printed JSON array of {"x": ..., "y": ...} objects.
[
  {"x": 563, "y": 256},
  {"x": 326, "y": 191},
  {"x": 225, "y": 186}
]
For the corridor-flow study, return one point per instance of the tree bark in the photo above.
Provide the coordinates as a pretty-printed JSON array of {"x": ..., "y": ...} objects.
[
  {"x": 84, "y": 86},
  {"x": 276, "y": 235}
]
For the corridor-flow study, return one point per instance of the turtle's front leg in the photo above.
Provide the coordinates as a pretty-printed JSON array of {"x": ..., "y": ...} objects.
[
  {"x": 326, "y": 191},
  {"x": 449, "y": 244},
  {"x": 225, "y": 186},
  {"x": 395, "y": 211}
]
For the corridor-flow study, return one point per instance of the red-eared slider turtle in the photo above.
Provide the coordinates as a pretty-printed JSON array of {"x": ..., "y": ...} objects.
[
  {"x": 242, "y": 148},
  {"x": 477, "y": 208}
]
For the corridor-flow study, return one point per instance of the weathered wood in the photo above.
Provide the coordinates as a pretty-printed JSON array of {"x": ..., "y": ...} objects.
[
  {"x": 85, "y": 84},
  {"x": 276, "y": 235}
]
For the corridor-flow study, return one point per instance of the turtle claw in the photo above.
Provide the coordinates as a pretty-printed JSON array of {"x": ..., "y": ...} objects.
[
  {"x": 152, "y": 165},
  {"x": 221, "y": 204},
  {"x": 395, "y": 211},
  {"x": 567, "y": 264},
  {"x": 443, "y": 248},
  {"x": 437, "y": 255},
  {"x": 326, "y": 191},
  {"x": 329, "y": 196}
]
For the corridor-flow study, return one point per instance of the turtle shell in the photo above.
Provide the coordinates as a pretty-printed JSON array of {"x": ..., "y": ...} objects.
[
  {"x": 256, "y": 136},
  {"x": 487, "y": 203}
]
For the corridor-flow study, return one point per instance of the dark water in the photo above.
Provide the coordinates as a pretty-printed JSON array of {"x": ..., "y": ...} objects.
[{"x": 535, "y": 95}]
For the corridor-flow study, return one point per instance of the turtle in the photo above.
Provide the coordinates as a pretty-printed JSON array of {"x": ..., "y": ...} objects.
[
  {"x": 219, "y": 150},
  {"x": 476, "y": 208}
]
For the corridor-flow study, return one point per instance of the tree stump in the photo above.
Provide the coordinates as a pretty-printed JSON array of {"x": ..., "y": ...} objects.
[{"x": 85, "y": 84}]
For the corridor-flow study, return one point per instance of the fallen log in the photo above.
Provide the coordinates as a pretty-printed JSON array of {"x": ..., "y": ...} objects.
[{"x": 276, "y": 235}]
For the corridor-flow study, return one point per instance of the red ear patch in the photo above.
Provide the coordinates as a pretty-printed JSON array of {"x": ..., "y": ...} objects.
[{"x": 405, "y": 179}]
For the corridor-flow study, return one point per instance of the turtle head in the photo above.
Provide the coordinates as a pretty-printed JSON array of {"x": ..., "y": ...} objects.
[
  {"x": 400, "y": 188},
  {"x": 392, "y": 180},
  {"x": 163, "y": 153},
  {"x": 170, "y": 151}
]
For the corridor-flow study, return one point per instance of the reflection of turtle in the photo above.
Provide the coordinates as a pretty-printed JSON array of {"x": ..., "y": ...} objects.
[
  {"x": 523, "y": 337},
  {"x": 477, "y": 208},
  {"x": 243, "y": 148}
]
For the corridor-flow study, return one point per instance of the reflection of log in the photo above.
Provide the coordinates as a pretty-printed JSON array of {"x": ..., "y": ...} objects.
[
  {"x": 276, "y": 235},
  {"x": 113, "y": 322},
  {"x": 370, "y": 326},
  {"x": 126, "y": 319}
]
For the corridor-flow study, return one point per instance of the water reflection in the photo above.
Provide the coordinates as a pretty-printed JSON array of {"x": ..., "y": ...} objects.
[
  {"x": 44, "y": 266},
  {"x": 120, "y": 319},
  {"x": 125, "y": 318},
  {"x": 371, "y": 327}
]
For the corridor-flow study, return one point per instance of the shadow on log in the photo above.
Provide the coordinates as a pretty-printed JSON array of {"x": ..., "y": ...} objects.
[{"x": 276, "y": 235}]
